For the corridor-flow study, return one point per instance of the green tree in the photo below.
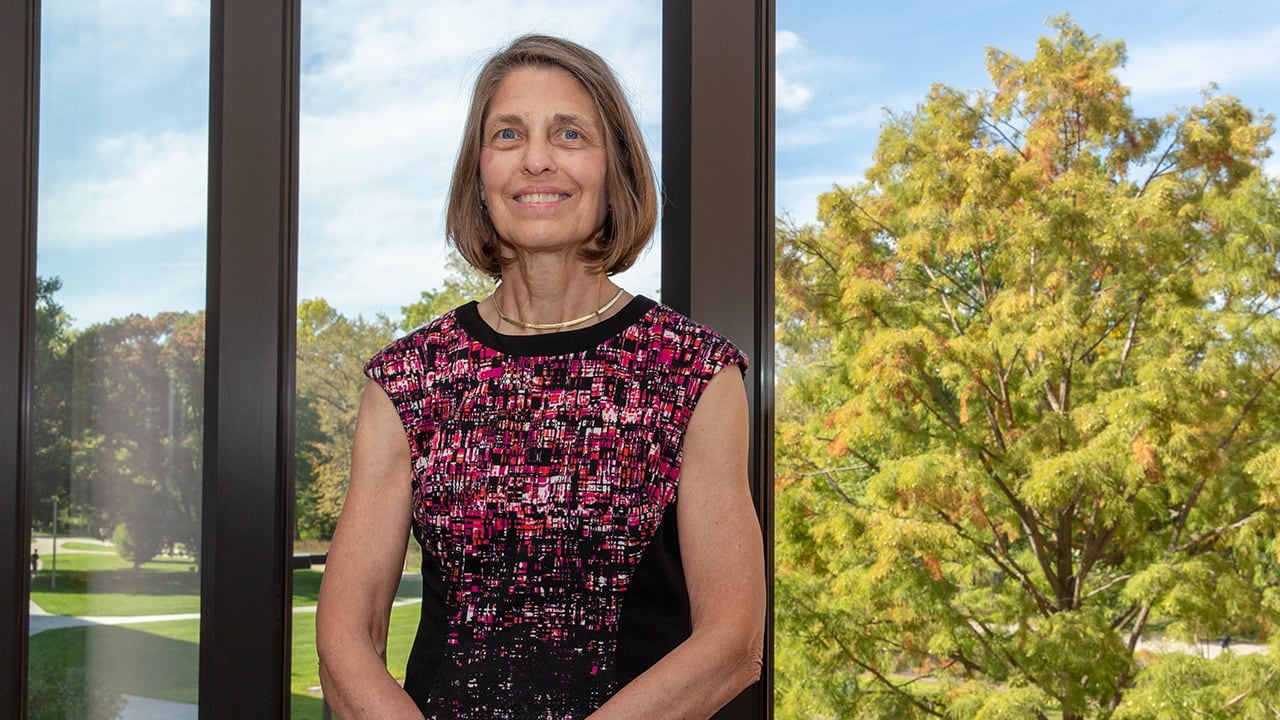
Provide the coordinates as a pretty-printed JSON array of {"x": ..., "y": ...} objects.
[
  {"x": 50, "y": 406},
  {"x": 136, "y": 424},
  {"x": 1030, "y": 374},
  {"x": 462, "y": 283},
  {"x": 332, "y": 350}
]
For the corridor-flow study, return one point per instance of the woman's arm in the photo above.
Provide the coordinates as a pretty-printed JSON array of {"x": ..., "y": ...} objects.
[
  {"x": 363, "y": 570},
  {"x": 723, "y": 556}
]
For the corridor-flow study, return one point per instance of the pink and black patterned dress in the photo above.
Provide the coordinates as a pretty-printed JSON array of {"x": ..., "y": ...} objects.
[{"x": 546, "y": 470}]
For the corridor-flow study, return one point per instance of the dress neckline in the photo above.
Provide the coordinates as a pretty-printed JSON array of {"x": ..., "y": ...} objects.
[{"x": 551, "y": 344}]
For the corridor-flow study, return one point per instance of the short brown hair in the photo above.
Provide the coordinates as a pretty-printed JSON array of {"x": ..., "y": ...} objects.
[{"x": 629, "y": 179}]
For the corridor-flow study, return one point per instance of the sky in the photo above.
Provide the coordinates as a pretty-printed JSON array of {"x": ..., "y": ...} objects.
[{"x": 124, "y": 116}]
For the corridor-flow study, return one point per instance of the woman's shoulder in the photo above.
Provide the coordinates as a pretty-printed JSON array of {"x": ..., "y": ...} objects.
[
  {"x": 420, "y": 343},
  {"x": 690, "y": 339}
]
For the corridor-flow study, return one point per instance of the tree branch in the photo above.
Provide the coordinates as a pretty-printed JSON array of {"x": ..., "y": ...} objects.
[
  {"x": 1244, "y": 411},
  {"x": 1208, "y": 538},
  {"x": 1128, "y": 340},
  {"x": 1239, "y": 698},
  {"x": 1003, "y": 560},
  {"x": 1107, "y": 585}
]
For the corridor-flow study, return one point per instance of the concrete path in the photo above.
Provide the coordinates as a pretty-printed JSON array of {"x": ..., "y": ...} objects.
[
  {"x": 42, "y": 621},
  {"x": 140, "y": 708}
]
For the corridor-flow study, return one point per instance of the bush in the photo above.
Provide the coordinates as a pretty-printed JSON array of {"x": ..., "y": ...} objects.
[{"x": 137, "y": 543}]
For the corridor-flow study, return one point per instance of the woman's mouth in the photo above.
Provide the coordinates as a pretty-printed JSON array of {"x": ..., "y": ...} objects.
[{"x": 541, "y": 197}]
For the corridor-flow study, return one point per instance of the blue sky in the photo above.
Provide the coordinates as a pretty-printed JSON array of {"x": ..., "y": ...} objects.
[
  {"x": 842, "y": 64},
  {"x": 124, "y": 117}
]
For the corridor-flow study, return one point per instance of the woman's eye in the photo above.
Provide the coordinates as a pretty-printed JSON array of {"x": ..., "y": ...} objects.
[
  {"x": 572, "y": 135},
  {"x": 507, "y": 134}
]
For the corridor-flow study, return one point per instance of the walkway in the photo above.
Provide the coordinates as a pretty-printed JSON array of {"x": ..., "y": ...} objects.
[{"x": 140, "y": 708}]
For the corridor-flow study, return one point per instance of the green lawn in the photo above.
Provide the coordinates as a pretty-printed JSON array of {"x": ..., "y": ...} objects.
[
  {"x": 306, "y": 679},
  {"x": 105, "y": 585},
  {"x": 96, "y": 547},
  {"x": 161, "y": 659}
]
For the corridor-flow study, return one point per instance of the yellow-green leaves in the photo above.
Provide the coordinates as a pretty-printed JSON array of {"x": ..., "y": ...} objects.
[{"x": 1030, "y": 397}]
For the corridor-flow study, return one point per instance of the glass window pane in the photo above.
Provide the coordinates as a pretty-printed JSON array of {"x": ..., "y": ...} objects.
[
  {"x": 118, "y": 393},
  {"x": 384, "y": 93}
]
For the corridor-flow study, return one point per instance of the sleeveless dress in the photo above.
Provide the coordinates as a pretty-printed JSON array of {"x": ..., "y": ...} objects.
[{"x": 545, "y": 476}]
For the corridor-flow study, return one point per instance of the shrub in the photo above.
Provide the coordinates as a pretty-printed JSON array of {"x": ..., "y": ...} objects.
[{"x": 137, "y": 542}]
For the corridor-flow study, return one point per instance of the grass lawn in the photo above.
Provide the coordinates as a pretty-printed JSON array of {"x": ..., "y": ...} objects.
[
  {"x": 98, "y": 585},
  {"x": 161, "y": 659},
  {"x": 306, "y": 679},
  {"x": 96, "y": 547}
]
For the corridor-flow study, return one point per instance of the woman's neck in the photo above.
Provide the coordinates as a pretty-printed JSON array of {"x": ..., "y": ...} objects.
[{"x": 551, "y": 297}]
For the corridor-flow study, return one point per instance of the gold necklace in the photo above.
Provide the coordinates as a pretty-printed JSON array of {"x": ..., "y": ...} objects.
[{"x": 556, "y": 325}]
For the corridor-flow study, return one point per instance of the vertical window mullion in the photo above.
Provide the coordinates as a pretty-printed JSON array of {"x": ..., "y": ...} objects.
[
  {"x": 19, "y": 93},
  {"x": 248, "y": 488},
  {"x": 718, "y": 222}
]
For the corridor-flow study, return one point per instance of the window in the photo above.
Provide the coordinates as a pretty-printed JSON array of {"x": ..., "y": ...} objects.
[
  {"x": 716, "y": 195},
  {"x": 117, "y": 408},
  {"x": 384, "y": 94}
]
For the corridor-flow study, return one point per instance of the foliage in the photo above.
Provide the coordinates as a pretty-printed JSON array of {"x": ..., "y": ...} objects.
[
  {"x": 1029, "y": 369},
  {"x": 1228, "y": 686},
  {"x": 332, "y": 350},
  {"x": 50, "y": 406},
  {"x": 138, "y": 540},
  {"x": 136, "y": 424},
  {"x": 463, "y": 283}
]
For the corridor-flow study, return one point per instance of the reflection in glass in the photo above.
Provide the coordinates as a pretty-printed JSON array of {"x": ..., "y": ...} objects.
[
  {"x": 118, "y": 392},
  {"x": 384, "y": 91}
]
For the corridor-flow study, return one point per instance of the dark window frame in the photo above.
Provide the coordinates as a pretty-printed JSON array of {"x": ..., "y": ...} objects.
[
  {"x": 718, "y": 60},
  {"x": 19, "y": 92}
]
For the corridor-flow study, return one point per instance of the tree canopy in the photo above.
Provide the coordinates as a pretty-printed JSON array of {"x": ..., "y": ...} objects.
[
  {"x": 118, "y": 414},
  {"x": 1030, "y": 398}
]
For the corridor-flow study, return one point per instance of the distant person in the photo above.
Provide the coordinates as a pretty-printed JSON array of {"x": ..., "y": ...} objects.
[
  {"x": 35, "y": 561},
  {"x": 572, "y": 458}
]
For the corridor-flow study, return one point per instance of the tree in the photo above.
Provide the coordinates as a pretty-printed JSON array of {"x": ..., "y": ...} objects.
[
  {"x": 332, "y": 350},
  {"x": 50, "y": 406},
  {"x": 462, "y": 283},
  {"x": 1030, "y": 366},
  {"x": 136, "y": 424}
]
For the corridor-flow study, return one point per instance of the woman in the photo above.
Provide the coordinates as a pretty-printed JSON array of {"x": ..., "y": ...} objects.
[{"x": 571, "y": 458}]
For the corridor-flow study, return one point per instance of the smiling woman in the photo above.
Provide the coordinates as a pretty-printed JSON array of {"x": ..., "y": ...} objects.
[
  {"x": 371, "y": 131},
  {"x": 378, "y": 134},
  {"x": 537, "y": 453}
]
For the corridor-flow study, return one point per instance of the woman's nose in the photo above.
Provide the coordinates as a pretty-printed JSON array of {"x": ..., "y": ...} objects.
[{"x": 538, "y": 156}]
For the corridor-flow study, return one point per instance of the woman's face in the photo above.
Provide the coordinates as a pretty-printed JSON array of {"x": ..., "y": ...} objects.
[{"x": 542, "y": 162}]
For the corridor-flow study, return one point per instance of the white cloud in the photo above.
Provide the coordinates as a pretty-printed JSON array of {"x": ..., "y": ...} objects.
[
  {"x": 136, "y": 188},
  {"x": 127, "y": 48},
  {"x": 1179, "y": 67},
  {"x": 790, "y": 96},
  {"x": 384, "y": 88},
  {"x": 787, "y": 42}
]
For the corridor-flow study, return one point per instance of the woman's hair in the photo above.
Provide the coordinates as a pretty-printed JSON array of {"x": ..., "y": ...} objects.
[{"x": 629, "y": 180}]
